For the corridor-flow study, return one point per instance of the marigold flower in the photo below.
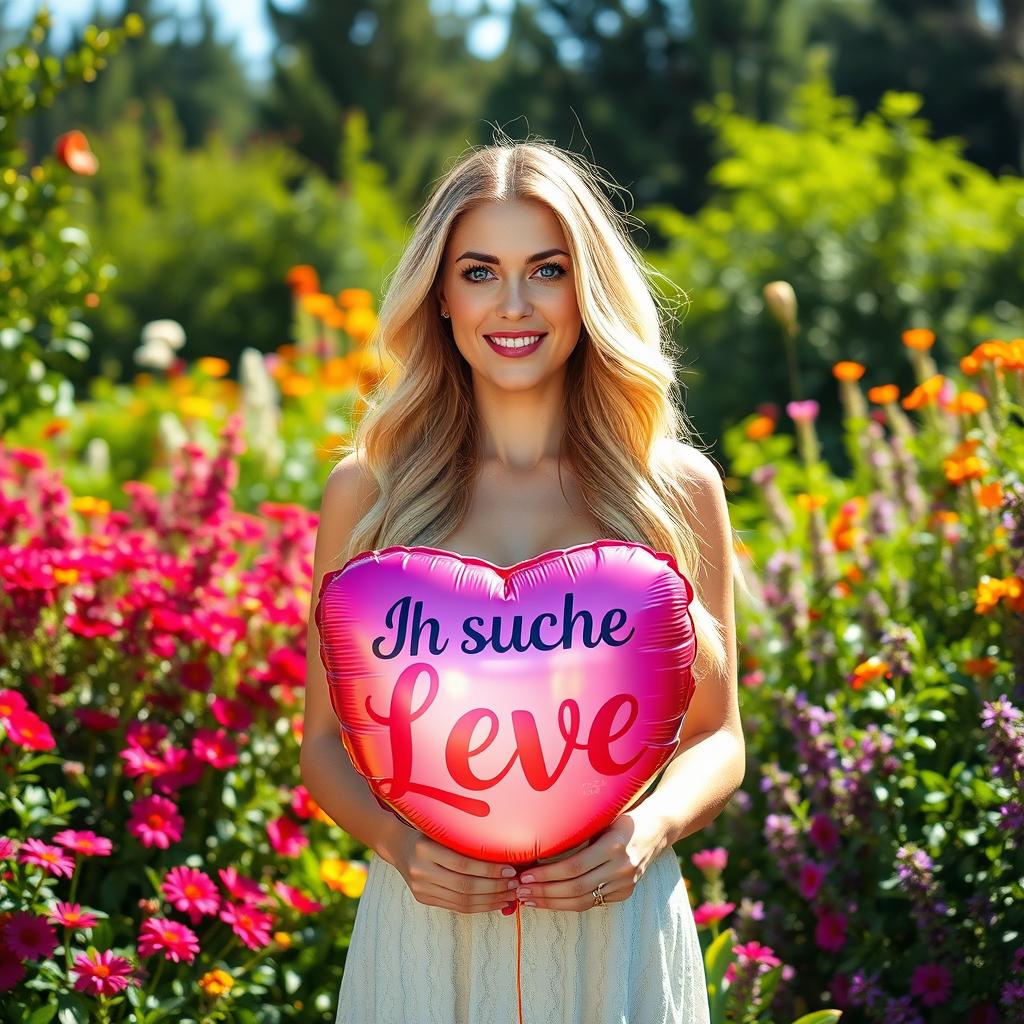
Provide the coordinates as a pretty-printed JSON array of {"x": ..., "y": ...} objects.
[
  {"x": 317, "y": 303},
  {"x": 919, "y": 338},
  {"x": 353, "y": 298},
  {"x": 215, "y": 983},
  {"x": 760, "y": 427},
  {"x": 847, "y": 370},
  {"x": 303, "y": 279},
  {"x": 213, "y": 366}
]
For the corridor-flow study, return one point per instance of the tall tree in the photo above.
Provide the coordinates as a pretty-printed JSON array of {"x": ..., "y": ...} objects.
[{"x": 408, "y": 69}]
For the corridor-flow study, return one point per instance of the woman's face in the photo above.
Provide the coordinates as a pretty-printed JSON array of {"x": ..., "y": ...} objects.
[{"x": 508, "y": 275}]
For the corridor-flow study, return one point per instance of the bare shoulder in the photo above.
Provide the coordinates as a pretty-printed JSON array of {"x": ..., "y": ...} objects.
[{"x": 349, "y": 492}]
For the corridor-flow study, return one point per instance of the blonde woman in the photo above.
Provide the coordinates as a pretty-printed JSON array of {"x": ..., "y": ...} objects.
[{"x": 530, "y": 409}]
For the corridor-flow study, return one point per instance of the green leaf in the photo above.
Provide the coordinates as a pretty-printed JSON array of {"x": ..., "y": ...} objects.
[
  {"x": 43, "y": 1015},
  {"x": 820, "y": 1017}
]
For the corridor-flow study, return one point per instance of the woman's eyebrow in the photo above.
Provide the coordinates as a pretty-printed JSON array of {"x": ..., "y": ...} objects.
[{"x": 485, "y": 258}]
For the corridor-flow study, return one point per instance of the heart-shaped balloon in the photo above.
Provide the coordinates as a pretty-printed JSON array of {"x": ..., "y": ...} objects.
[{"x": 509, "y": 713}]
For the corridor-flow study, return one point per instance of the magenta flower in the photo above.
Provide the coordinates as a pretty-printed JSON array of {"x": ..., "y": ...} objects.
[
  {"x": 10, "y": 702},
  {"x": 758, "y": 954},
  {"x": 823, "y": 833},
  {"x": 172, "y": 938},
  {"x": 104, "y": 976},
  {"x": 43, "y": 855},
  {"x": 26, "y": 729},
  {"x": 286, "y": 837},
  {"x": 215, "y": 747},
  {"x": 830, "y": 932},
  {"x": 931, "y": 983},
  {"x": 252, "y": 926},
  {"x": 155, "y": 821},
  {"x": 191, "y": 891},
  {"x": 232, "y": 714},
  {"x": 71, "y": 915},
  {"x": 811, "y": 877},
  {"x": 87, "y": 843},
  {"x": 297, "y": 899},
  {"x": 8, "y": 847},
  {"x": 12, "y": 970},
  {"x": 29, "y": 935},
  {"x": 241, "y": 888},
  {"x": 708, "y": 913}
]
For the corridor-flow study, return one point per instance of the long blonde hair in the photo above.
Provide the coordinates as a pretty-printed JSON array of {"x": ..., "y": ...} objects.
[{"x": 419, "y": 435}]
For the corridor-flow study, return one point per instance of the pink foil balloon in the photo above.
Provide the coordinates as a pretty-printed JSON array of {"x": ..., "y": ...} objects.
[{"x": 509, "y": 713}]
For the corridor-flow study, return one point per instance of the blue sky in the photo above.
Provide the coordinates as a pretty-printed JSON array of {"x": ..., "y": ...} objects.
[{"x": 245, "y": 21}]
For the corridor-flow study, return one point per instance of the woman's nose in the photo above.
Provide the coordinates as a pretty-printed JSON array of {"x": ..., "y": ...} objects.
[{"x": 514, "y": 302}]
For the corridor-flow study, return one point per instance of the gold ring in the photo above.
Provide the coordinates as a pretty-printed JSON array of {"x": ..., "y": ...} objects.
[{"x": 598, "y": 898}]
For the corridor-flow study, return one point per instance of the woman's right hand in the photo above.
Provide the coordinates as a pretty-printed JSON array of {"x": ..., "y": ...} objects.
[{"x": 439, "y": 877}]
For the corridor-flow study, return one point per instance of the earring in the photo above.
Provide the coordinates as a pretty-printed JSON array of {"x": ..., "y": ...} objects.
[{"x": 443, "y": 313}]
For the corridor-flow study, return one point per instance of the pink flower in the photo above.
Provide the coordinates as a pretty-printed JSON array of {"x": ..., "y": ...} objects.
[
  {"x": 43, "y": 855},
  {"x": 824, "y": 833},
  {"x": 148, "y": 735},
  {"x": 10, "y": 702},
  {"x": 175, "y": 940},
  {"x": 286, "y": 837},
  {"x": 811, "y": 877},
  {"x": 8, "y": 847},
  {"x": 758, "y": 954},
  {"x": 26, "y": 729},
  {"x": 232, "y": 714},
  {"x": 12, "y": 970},
  {"x": 103, "y": 976},
  {"x": 71, "y": 915},
  {"x": 252, "y": 926},
  {"x": 29, "y": 935},
  {"x": 302, "y": 803},
  {"x": 931, "y": 983},
  {"x": 803, "y": 411},
  {"x": 87, "y": 843},
  {"x": 711, "y": 862},
  {"x": 191, "y": 892},
  {"x": 155, "y": 821},
  {"x": 830, "y": 933},
  {"x": 241, "y": 888},
  {"x": 708, "y": 913},
  {"x": 297, "y": 899},
  {"x": 215, "y": 746}
]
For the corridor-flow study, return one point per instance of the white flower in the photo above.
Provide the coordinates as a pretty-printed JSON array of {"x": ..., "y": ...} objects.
[
  {"x": 157, "y": 355},
  {"x": 169, "y": 332},
  {"x": 172, "y": 434},
  {"x": 97, "y": 456}
]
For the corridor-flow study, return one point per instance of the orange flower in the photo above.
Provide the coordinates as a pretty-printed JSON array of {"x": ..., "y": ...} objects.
[
  {"x": 287, "y": 351},
  {"x": 213, "y": 366},
  {"x": 360, "y": 323},
  {"x": 867, "y": 671},
  {"x": 959, "y": 470},
  {"x": 992, "y": 351},
  {"x": 88, "y": 506},
  {"x": 335, "y": 317},
  {"x": 65, "y": 576},
  {"x": 345, "y": 876},
  {"x": 847, "y": 370},
  {"x": 983, "y": 667},
  {"x": 72, "y": 150},
  {"x": 990, "y": 495},
  {"x": 970, "y": 365},
  {"x": 55, "y": 427},
  {"x": 216, "y": 982},
  {"x": 295, "y": 385},
  {"x": 317, "y": 303},
  {"x": 925, "y": 393},
  {"x": 303, "y": 279},
  {"x": 884, "y": 393},
  {"x": 967, "y": 403},
  {"x": 919, "y": 338},
  {"x": 760, "y": 427},
  {"x": 355, "y": 298}
]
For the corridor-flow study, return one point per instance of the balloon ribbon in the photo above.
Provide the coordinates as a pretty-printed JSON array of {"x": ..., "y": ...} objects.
[{"x": 519, "y": 961}]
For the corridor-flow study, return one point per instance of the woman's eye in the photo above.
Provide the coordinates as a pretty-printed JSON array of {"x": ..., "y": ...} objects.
[{"x": 559, "y": 271}]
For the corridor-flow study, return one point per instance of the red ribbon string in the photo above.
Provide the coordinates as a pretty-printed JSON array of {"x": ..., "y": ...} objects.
[{"x": 519, "y": 962}]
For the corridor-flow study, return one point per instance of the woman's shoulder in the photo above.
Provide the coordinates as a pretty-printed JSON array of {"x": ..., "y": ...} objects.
[{"x": 689, "y": 465}]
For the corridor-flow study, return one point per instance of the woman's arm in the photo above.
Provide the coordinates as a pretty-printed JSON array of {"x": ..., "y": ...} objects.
[{"x": 324, "y": 764}]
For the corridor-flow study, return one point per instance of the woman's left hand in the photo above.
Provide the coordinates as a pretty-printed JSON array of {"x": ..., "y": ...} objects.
[{"x": 618, "y": 856}]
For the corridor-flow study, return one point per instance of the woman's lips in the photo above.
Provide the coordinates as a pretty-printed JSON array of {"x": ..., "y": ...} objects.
[{"x": 515, "y": 353}]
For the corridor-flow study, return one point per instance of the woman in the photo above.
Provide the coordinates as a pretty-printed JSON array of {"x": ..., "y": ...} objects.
[{"x": 531, "y": 410}]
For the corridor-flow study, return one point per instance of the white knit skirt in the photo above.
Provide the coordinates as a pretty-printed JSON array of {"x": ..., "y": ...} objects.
[{"x": 637, "y": 961}]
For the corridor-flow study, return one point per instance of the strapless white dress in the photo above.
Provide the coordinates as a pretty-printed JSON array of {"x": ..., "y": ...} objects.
[{"x": 637, "y": 961}]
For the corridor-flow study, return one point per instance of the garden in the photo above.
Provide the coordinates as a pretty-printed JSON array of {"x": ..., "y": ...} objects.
[{"x": 160, "y": 859}]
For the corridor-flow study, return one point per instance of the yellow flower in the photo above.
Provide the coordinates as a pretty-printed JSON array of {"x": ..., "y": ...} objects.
[
  {"x": 196, "y": 406},
  {"x": 283, "y": 939},
  {"x": 360, "y": 323},
  {"x": 215, "y": 983},
  {"x": 65, "y": 575},
  {"x": 88, "y": 506},
  {"x": 344, "y": 876}
]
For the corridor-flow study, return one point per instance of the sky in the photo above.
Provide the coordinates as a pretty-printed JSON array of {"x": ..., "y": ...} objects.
[{"x": 244, "y": 20}]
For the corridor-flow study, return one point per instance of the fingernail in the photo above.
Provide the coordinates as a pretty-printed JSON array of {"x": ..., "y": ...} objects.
[
  {"x": 523, "y": 892},
  {"x": 528, "y": 878},
  {"x": 529, "y": 903},
  {"x": 508, "y": 872},
  {"x": 513, "y": 884}
]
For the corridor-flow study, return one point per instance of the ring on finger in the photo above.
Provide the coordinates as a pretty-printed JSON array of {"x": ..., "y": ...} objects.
[{"x": 598, "y": 897}]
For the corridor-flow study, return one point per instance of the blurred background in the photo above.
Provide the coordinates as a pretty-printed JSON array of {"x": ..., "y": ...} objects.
[{"x": 867, "y": 152}]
